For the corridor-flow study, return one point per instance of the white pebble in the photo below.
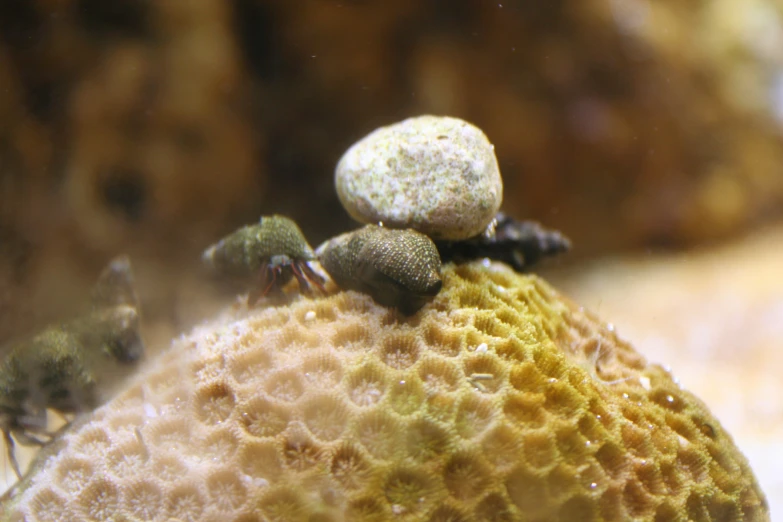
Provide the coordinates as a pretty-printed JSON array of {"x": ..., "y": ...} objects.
[{"x": 438, "y": 175}]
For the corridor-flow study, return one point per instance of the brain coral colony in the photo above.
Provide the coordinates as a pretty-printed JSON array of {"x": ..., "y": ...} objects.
[{"x": 496, "y": 399}]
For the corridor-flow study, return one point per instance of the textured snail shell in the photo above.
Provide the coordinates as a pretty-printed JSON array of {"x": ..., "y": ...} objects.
[{"x": 399, "y": 268}]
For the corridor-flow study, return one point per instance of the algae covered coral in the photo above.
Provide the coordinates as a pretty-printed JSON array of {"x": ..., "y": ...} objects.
[{"x": 500, "y": 400}]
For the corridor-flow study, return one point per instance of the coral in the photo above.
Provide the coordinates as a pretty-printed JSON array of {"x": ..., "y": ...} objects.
[
  {"x": 717, "y": 317},
  {"x": 498, "y": 401},
  {"x": 151, "y": 127}
]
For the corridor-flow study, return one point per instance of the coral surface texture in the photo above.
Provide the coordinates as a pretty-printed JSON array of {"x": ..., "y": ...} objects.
[{"x": 499, "y": 400}]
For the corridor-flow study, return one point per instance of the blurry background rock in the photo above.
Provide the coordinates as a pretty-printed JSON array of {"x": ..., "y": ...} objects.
[{"x": 154, "y": 128}]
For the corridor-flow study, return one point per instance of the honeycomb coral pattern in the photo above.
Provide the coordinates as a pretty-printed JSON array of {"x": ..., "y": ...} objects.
[{"x": 499, "y": 401}]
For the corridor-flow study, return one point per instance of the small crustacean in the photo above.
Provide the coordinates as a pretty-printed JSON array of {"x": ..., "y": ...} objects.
[
  {"x": 399, "y": 268},
  {"x": 66, "y": 366},
  {"x": 439, "y": 176},
  {"x": 270, "y": 252},
  {"x": 520, "y": 244}
]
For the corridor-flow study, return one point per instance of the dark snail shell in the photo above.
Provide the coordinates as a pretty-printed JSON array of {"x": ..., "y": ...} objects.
[
  {"x": 398, "y": 268},
  {"x": 519, "y": 244}
]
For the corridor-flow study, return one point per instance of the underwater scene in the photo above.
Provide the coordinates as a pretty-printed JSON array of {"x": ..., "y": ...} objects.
[{"x": 442, "y": 261}]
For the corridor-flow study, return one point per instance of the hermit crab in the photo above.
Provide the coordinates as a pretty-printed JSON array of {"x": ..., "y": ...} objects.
[
  {"x": 401, "y": 268},
  {"x": 64, "y": 367},
  {"x": 428, "y": 190},
  {"x": 520, "y": 244},
  {"x": 398, "y": 268},
  {"x": 269, "y": 253}
]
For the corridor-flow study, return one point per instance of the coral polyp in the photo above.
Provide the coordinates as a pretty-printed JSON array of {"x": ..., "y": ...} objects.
[{"x": 491, "y": 403}]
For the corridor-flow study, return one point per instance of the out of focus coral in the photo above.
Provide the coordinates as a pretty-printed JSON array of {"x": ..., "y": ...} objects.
[
  {"x": 624, "y": 124},
  {"x": 499, "y": 401},
  {"x": 716, "y": 316}
]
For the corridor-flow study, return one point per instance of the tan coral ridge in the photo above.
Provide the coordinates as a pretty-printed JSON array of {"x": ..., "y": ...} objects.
[{"x": 498, "y": 401}]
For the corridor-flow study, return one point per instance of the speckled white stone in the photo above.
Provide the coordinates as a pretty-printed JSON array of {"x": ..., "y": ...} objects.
[{"x": 438, "y": 175}]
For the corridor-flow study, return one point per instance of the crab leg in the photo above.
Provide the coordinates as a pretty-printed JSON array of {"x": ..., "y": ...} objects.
[
  {"x": 305, "y": 276},
  {"x": 266, "y": 281},
  {"x": 9, "y": 449}
]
